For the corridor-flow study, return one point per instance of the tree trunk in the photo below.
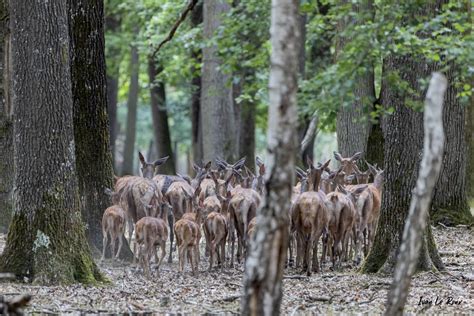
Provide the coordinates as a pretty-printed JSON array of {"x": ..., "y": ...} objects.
[
  {"x": 247, "y": 133},
  {"x": 217, "y": 113},
  {"x": 91, "y": 130},
  {"x": 132, "y": 103},
  {"x": 6, "y": 137},
  {"x": 160, "y": 119},
  {"x": 402, "y": 152},
  {"x": 112, "y": 24},
  {"x": 352, "y": 123},
  {"x": 196, "y": 128},
  {"x": 450, "y": 205},
  {"x": 267, "y": 256},
  {"x": 46, "y": 242},
  {"x": 418, "y": 215}
]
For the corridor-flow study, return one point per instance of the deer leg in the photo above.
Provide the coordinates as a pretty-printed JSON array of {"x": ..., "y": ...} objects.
[
  {"x": 104, "y": 245},
  {"x": 119, "y": 247},
  {"x": 112, "y": 246},
  {"x": 170, "y": 222}
]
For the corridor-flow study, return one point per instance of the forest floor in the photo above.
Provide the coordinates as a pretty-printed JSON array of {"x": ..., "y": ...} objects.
[{"x": 214, "y": 292}]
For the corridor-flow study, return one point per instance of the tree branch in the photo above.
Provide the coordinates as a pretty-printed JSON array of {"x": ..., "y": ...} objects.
[
  {"x": 182, "y": 17},
  {"x": 310, "y": 132}
]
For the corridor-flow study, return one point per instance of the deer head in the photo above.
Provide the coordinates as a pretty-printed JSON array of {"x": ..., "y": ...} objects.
[
  {"x": 148, "y": 169},
  {"x": 258, "y": 183},
  {"x": 303, "y": 178},
  {"x": 314, "y": 175},
  {"x": 227, "y": 169},
  {"x": 114, "y": 195},
  {"x": 201, "y": 173},
  {"x": 348, "y": 164},
  {"x": 378, "y": 175}
]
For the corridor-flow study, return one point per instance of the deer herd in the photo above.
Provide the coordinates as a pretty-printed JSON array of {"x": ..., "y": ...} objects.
[{"x": 340, "y": 207}]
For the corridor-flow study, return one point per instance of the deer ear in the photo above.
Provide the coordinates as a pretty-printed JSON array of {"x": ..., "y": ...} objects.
[
  {"x": 196, "y": 167},
  {"x": 259, "y": 161},
  {"x": 160, "y": 161},
  {"x": 309, "y": 162},
  {"x": 108, "y": 192},
  {"x": 326, "y": 164},
  {"x": 239, "y": 163},
  {"x": 356, "y": 156},
  {"x": 337, "y": 156},
  {"x": 261, "y": 170},
  {"x": 208, "y": 165},
  {"x": 142, "y": 159},
  {"x": 372, "y": 169}
]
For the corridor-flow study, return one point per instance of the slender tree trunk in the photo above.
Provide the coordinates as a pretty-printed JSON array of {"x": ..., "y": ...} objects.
[
  {"x": 352, "y": 123},
  {"x": 6, "y": 137},
  {"x": 112, "y": 24},
  {"x": 91, "y": 130},
  {"x": 267, "y": 256},
  {"x": 160, "y": 118},
  {"x": 132, "y": 103},
  {"x": 247, "y": 133},
  {"x": 217, "y": 113},
  {"x": 418, "y": 216},
  {"x": 196, "y": 128},
  {"x": 403, "y": 145},
  {"x": 237, "y": 89},
  {"x": 46, "y": 242}
]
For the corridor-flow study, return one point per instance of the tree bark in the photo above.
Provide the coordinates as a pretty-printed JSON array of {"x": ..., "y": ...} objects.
[
  {"x": 421, "y": 199},
  {"x": 46, "y": 242},
  {"x": 112, "y": 24},
  {"x": 352, "y": 122},
  {"x": 196, "y": 134},
  {"x": 160, "y": 118},
  {"x": 132, "y": 103},
  {"x": 247, "y": 133},
  {"x": 402, "y": 152},
  {"x": 217, "y": 113},
  {"x": 267, "y": 256},
  {"x": 450, "y": 205},
  {"x": 6, "y": 137},
  {"x": 91, "y": 130}
]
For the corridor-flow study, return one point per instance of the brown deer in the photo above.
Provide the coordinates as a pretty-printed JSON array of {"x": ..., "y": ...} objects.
[
  {"x": 348, "y": 164},
  {"x": 187, "y": 234},
  {"x": 215, "y": 231},
  {"x": 309, "y": 218},
  {"x": 113, "y": 225},
  {"x": 342, "y": 219},
  {"x": 151, "y": 232}
]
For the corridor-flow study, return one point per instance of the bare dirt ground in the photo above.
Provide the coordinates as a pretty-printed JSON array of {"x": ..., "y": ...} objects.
[{"x": 218, "y": 293}]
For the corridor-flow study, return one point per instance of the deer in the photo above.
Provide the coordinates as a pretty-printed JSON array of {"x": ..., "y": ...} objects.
[
  {"x": 151, "y": 232},
  {"x": 216, "y": 231},
  {"x": 242, "y": 208},
  {"x": 187, "y": 233},
  {"x": 342, "y": 220},
  {"x": 309, "y": 218},
  {"x": 348, "y": 164},
  {"x": 113, "y": 225},
  {"x": 140, "y": 193},
  {"x": 179, "y": 196}
]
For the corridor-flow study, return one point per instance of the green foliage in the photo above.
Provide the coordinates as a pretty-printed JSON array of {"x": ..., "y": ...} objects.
[{"x": 331, "y": 73}]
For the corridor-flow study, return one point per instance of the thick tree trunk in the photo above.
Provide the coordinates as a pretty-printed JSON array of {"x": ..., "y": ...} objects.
[
  {"x": 91, "y": 130},
  {"x": 352, "y": 123},
  {"x": 403, "y": 145},
  {"x": 46, "y": 242},
  {"x": 6, "y": 136},
  {"x": 450, "y": 205},
  {"x": 112, "y": 24},
  {"x": 196, "y": 126},
  {"x": 418, "y": 214},
  {"x": 160, "y": 119},
  {"x": 217, "y": 113},
  {"x": 132, "y": 103},
  {"x": 267, "y": 256}
]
